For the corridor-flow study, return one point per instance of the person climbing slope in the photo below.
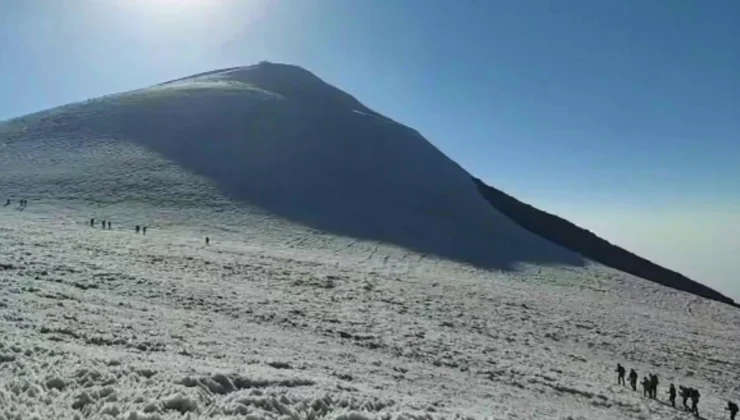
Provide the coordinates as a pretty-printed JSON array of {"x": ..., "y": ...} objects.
[
  {"x": 620, "y": 374},
  {"x": 645, "y": 386},
  {"x": 732, "y": 407},
  {"x": 672, "y": 395},
  {"x": 695, "y": 401},
  {"x": 633, "y": 379},
  {"x": 685, "y": 394},
  {"x": 654, "y": 386}
]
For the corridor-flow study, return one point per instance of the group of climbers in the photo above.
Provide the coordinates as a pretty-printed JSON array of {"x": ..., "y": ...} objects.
[
  {"x": 22, "y": 204},
  {"x": 650, "y": 390}
]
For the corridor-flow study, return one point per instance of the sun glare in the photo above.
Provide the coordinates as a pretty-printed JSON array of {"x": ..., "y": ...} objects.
[
  {"x": 175, "y": 7},
  {"x": 210, "y": 17}
]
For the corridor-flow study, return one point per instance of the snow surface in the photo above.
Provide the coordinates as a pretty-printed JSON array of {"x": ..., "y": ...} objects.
[
  {"x": 299, "y": 314},
  {"x": 109, "y": 324}
]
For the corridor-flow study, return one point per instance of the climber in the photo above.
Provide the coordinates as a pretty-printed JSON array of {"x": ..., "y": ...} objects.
[
  {"x": 633, "y": 379},
  {"x": 620, "y": 374},
  {"x": 732, "y": 407},
  {"x": 672, "y": 395}
]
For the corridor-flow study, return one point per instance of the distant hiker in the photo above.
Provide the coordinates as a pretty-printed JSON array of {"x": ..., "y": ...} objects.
[
  {"x": 102, "y": 224},
  {"x": 137, "y": 228},
  {"x": 143, "y": 230},
  {"x": 208, "y": 240},
  {"x": 633, "y": 379},
  {"x": 695, "y": 401},
  {"x": 672, "y": 395},
  {"x": 645, "y": 387},
  {"x": 92, "y": 222},
  {"x": 109, "y": 225},
  {"x": 7, "y": 202},
  {"x": 654, "y": 386},
  {"x": 685, "y": 394},
  {"x": 620, "y": 374},
  {"x": 733, "y": 409}
]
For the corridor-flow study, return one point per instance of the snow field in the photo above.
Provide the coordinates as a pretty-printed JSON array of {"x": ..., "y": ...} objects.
[
  {"x": 344, "y": 279},
  {"x": 109, "y": 324}
]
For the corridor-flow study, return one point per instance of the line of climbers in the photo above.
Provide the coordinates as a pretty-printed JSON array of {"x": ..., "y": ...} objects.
[
  {"x": 106, "y": 224},
  {"x": 21, "y": 204},
  {"x": 650, "y": 390}
]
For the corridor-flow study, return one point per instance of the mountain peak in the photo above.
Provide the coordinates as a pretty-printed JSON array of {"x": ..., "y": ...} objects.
[{"x": 288, "y": 80}]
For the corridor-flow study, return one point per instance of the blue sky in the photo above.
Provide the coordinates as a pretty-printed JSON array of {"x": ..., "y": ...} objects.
[{"x": 623, "y": 116}]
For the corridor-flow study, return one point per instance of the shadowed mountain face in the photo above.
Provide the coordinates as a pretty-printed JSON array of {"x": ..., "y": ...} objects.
[
  {"x": 586, "y": 243},
  {"x": 279, "y": 138}
]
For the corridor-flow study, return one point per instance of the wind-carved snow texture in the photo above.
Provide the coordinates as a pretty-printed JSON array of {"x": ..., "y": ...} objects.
[
  {"x": 107, "y": 324},
  {"x": 372, "y": 316},
  {"x": 282, "y": 140}
]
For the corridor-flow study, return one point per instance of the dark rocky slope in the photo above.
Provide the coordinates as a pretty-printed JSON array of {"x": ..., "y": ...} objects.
[{"x": 586, "y": 243}]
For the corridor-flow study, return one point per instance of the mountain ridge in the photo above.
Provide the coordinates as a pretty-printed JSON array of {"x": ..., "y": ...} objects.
[{"x": 590, "y": 245}]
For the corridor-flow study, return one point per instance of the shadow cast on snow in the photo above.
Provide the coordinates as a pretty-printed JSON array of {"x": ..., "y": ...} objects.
[{"x": 330, "y": 168}]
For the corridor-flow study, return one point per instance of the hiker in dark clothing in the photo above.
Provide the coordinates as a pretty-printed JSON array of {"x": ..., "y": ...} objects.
[
  {"x": 208, "y": 240},
  {"x": 733, "y": 409},
  {"x": 137, "y": 228},
  {"x": 7, "y": 203},
  {"x": 620, "y": 374},
  {"x": 143, "y": 230},
  {"x": 645, "y": 387},
  {"x": 92, "y": 222},
  {"x": 109, "y": 225},
  {"x": 672, "y": 395},
  {"x": 633, "y": 379},
  {"x": 103, "y": 225},
  {"x": 654, "y": 386},
  {"x": 685, "y": 394},
  {"x": 695, "y": 401}
]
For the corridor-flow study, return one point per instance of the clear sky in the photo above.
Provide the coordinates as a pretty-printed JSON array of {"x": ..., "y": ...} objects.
[{"x": 623, "y": 116}]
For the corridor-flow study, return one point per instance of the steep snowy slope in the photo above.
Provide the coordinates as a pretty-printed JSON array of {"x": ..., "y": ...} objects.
[{"x": 280, "y": 139}]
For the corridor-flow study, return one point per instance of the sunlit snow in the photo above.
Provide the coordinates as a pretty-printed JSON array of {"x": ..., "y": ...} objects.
[{"x": 279, "y": 318}]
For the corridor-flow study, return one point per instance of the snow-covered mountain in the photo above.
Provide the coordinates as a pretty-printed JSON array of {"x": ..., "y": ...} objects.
[
  {"x": 278, "y": 138},
  {"x": 353, "y": 272}
]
